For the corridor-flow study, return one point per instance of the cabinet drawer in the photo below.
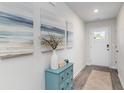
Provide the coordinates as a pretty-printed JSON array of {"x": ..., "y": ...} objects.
[
  {"x": 62, "y": 77},
  {"x": 71, "y": 86},
  {"x": 71, "y": 69},
  {"x": 69, "y": 72},
  {"x": 71, "y": 78},
  {"x": 68, "y": 84},
  {"x": 62, "y": 86}
]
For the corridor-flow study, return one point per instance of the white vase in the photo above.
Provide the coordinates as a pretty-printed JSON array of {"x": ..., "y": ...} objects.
[{"x": 54, "y": 60}]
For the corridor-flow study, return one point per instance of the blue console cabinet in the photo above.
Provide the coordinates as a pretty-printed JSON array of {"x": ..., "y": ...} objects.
[{"x": 60, "y": 79}]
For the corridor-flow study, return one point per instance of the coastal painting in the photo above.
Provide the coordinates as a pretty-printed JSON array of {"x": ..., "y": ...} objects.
[
  {"x": 69, "y": 34},
  {"x": 69, "y": 39},
  {"x": 47, "y": 30},
  {"x": 16, "y": 34}
]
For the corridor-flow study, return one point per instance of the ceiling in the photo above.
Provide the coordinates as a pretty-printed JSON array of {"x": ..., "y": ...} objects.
[{"x": 84, "y": 10}]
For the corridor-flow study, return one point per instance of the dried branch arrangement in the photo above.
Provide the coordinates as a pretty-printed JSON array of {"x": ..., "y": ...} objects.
[{"x": 52, "y": 41}]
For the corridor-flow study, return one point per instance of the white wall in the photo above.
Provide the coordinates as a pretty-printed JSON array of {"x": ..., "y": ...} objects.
[
  {"x": 28, "y": 72},
  {"x": 103, "y": 23},
  {"x": 120, "y": 41}
]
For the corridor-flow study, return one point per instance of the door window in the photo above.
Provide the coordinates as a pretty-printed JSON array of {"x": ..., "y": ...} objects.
[{"x": 99, "y": 35}]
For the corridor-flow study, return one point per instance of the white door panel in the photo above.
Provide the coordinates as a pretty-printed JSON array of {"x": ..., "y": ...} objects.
[{"x": 100, "y": 47}]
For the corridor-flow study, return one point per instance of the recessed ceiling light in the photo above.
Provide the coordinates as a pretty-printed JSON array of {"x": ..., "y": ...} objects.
[{"x": 95, "y": 10}]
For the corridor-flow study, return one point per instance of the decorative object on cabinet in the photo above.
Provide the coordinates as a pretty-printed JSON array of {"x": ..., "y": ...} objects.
[
  {"x": 67, "y": 61},
  {"x": 54, "y": 60},
  {"x": 60, "y": 79},
  {"x": 61, "y": 64}
]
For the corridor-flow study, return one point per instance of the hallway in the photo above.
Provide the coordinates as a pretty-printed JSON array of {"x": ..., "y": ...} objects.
[
  {"x": 62, "y": 46},
  {"x": 91, "y": 78}
]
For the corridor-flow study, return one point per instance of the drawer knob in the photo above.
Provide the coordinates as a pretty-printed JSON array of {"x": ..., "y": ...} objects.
[
  {"x": 71, "y": 87},
  {"x": 62, "y": 78},
  {"x": 62, "y": 88},
  {"x": 67, "y": 73},
  {"x": 67, "y": 83},
  {"x": 71, "y": 70}
]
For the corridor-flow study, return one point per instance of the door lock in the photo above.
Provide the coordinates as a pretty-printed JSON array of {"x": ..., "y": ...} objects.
[{"x": 107, "y": 47}]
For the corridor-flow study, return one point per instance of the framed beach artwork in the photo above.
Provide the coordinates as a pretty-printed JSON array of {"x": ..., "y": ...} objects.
[
  {"x": 52, "y": 25},
  {"x": 69, "y": 35},
  {"x": 69, "y": 39},
  {"x": 48, "y": 30},
  {"x": 16, "y": 29}
]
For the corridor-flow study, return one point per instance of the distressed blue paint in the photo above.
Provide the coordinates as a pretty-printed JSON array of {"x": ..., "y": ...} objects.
[{"x": 60, "y": 79}]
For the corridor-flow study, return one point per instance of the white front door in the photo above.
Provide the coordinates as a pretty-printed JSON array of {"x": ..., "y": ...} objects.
[{"x": 100, "y": 46}]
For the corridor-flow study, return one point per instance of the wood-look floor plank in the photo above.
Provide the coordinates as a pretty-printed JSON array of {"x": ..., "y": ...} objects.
[{"x": 81, "y": 79}]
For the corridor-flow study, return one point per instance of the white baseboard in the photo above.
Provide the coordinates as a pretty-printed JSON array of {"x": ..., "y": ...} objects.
[{"x": 121, "y": 80}]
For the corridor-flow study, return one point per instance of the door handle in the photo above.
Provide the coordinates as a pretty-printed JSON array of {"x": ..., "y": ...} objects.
[{"x": 107, "y": 47}]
